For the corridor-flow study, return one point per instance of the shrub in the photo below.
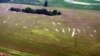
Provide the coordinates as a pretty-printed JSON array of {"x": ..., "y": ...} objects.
[
  {"x": 36, "y": 11},
  {"x": 12, "y": 9},
  {"x": 50, "y": 13},
  {"x": 41, "y": 11},
  {"x": 44, "y": 11},
  {"x": 23, "y": 10},
  {"x": 28, "y": 10},
  {"x": 59, "y": 13},
  {"x": 15, "y": 9},
  {"x": 54, "y": 12}
]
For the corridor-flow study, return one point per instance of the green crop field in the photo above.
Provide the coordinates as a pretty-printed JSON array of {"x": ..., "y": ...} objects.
[{"x": 85, "y": 0}]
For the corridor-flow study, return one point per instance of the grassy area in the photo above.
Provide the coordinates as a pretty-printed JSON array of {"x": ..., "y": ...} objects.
[
  {"x": 50, "y": 35},
  {"x": 86, "y": 0},
  {"x": 14, "y": 52}
]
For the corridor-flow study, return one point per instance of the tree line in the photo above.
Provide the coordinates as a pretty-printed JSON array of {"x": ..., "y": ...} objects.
[{"x": 36, "y": 11}]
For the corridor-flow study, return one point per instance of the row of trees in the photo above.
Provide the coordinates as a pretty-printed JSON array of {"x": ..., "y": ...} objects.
[{"x": 36, "y": 11}]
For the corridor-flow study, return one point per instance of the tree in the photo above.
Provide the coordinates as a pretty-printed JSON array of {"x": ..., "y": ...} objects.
[{"x": 46, "y": 3}]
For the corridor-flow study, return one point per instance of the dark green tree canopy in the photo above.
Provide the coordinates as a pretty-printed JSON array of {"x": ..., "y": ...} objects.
[{"x": 46, "y": 3}]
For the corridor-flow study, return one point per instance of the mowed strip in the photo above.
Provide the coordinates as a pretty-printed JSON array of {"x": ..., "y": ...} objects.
[{"x": 15, "y": 53}]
